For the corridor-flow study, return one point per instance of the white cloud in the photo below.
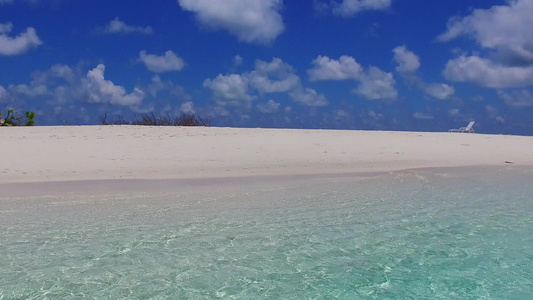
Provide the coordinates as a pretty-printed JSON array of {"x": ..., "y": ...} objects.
[
  {"x": 309, "y": 97},
  {"x": 63, "y": 71},
  {"x": 484, "y": 72},
  {"x": 408, "y": 64},
  {"x": 45, "y": 84},
  {"x": 56, "y": 71},
  {"x": 273, "y": 77},
  {"x": 269, "y": 107},
  {"x": 158, "y": 64},
  {"x": 64, "y": 88},
  {"x": 325, "y": 68},
  {"x": 373, "y": 83},
  {"x": 116, "y": 26},
  {"x": 517, "y": 98},
  {"x": 440, "y": 91},
  {"x": 187, "y": 107},
  {"x": 229, "y": 89},
  {"x": 267, "y": 77},
  {"x": 505, "y": 28},
  {"x": 256, "y": 21},
  {"x": 377, "y": 85},
  {"x": 17, "y": 45},
  {"x": 407, "y": 61},
  {"x": 351, "y": 7},
  {"x": 33, "y": 90},
  {"x": 105, "y": 91}
]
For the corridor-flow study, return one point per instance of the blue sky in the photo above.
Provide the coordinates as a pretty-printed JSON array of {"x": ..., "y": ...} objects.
[{"x": 344, "y": 64}]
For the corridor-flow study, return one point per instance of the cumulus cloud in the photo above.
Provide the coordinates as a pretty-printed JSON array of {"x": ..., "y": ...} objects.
[
  {"x": 377, "y": 85},
  {"x": 33, "y": 90},
  {"x": 117, "y": 26},
  {"x": 101, "y": 90},
  {"x": 59, "y": 84},
  {"x": 517, "y": 98},
  {"x": 484, "y": 72},
  {"x": 325, "y": 68},
  {"x": 309, "y": 97},
  {"x": 275, "y": 76},
  {"x": 269, "y": 107},
  {"x": 503, "y": 30},
  {"x": 348, "y": 8},
  {"x": 166, "y": 63},
  {"x": 407, "y": 61},
  {"x": 19, "y": 44},
  {"x": 255, "y": 21},
  {"x": 440, "y": 91},
  {"x": 230, "y": 89},
  {"x": 374, "y": 83},
  {"x": 408, "y": 64},
  {"x": 61, "y": 89}
]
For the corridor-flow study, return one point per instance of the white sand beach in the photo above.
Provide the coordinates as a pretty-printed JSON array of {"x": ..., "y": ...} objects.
[{"x": 67, "y": 153}]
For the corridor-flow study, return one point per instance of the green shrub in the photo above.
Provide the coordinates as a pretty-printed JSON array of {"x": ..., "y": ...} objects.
[
  {"x": 12, "y": 119},
  {"x": 30, "y": 118}
]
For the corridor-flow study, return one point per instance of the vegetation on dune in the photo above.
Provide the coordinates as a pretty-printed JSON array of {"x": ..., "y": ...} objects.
[
  {"x": 12, "y": 119},
  {"x": 151, "y": 119}
]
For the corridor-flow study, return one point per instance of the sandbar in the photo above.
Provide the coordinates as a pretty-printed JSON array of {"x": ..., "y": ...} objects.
[{"x": 46, "y": 154}]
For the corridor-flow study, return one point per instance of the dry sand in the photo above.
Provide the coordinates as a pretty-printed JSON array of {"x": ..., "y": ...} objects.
[{"x": 69, "y": 153}]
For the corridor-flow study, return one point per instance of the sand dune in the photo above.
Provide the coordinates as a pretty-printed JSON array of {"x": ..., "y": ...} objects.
[{"x": 43, "y": 154}]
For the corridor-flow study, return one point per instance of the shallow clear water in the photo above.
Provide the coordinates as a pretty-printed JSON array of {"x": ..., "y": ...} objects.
[{"x": 417, "y": 235}]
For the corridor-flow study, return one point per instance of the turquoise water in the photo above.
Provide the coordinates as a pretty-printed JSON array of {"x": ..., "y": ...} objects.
[{"x": 414, "y": 235}]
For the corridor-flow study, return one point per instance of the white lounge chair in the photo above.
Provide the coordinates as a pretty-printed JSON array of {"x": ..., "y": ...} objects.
[{"x": 469, "y": 128}]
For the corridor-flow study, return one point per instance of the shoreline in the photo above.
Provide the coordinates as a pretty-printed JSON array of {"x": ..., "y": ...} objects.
[{"x": 97, "y": 187}]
